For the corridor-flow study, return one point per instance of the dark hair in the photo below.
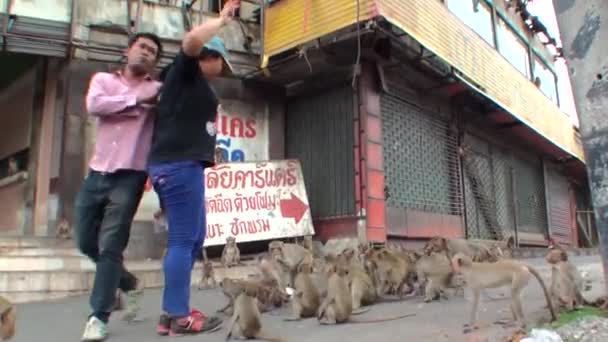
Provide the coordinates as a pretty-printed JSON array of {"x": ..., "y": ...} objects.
[{"x": 153, "y": 37}]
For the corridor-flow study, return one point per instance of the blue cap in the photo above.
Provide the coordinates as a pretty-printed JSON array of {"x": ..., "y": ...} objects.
[{"x": 217, "y": 44}]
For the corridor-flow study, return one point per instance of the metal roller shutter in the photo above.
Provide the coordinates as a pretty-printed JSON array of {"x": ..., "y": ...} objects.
[
  {"x": 420, "y": 159},
  {"x": 488, "y": 190},
  {"x": 320, "y": 133},
  {"x": 530, "y": 196},
  {"x": 560, "y": 215}
]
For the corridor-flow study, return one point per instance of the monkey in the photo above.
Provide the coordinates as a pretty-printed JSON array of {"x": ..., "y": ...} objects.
[
  {"x": 391, "y": 271},
  {"x": 208, "y": 276},
  {"x": 246, "y": 322},
  {"x": 478, "y": 276},
  {"x": 478, "y": 250},
  {"x": 8, "y": 317},
  {"x": 436, "y": 269},
  {"x": 566, "y": 281},
  {"x": 288, "y": 256},
  {"x": 13, "y": 166},
  {"x": 231, "y": 256},
  {"x": 63, "y": 230},
  {"x": 306, "y": 299},
  {"x": 337, "y": 307},
  {"x": 497, "y": 249},
  {"x": 267, "y": 294},
  {"x": 363, "y": 289},
  {"x": 272, "y": 272}
]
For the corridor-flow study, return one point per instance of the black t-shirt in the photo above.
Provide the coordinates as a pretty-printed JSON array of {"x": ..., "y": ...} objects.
[{"x": 185, "y": 129}]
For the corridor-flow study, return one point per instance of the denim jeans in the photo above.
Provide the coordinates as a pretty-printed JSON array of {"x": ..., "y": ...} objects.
[
  {"x": 105, "y": 207},
  {"x": 180, "y": 189}
]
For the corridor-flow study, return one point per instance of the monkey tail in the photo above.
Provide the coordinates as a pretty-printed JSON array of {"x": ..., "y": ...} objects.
[
  {"x": 385, "y": 319},
  {"x": 231, "y": 325},
  {"x": 547, "y": 297}
]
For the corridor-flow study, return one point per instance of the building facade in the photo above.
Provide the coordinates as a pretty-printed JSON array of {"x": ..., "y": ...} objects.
[
  {"x": 410, "y": 118},
  {"x": 455, "y": 119}
]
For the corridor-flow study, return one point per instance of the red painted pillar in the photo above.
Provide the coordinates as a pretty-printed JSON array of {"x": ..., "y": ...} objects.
[{"x": 371, "y": 165}]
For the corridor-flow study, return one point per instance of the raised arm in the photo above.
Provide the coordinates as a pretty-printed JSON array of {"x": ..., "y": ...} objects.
[
  {"x": 197, "y": 37},
  {"x": 98, "y": 103}
]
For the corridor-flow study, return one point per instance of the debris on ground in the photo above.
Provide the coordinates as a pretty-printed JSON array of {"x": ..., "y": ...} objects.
[
  {"x": 542, "y": 335},
  {"x": 587, "y": 329}
]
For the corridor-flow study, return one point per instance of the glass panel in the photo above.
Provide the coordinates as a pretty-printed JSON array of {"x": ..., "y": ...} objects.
[
  {"x": 513, "y": 48},
  {"x": 545, "y": 79},
  {"x": 479, "y": 19}
]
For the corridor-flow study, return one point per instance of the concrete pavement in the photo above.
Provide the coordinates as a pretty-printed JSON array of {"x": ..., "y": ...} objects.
[{"x": 63, "y": 320}]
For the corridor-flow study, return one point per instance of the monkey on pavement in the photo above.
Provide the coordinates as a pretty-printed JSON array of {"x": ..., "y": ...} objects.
[
  {"x": 479, "y": 276},
  {"x": 231, "y": 256},
  {"x": 306, "y": 299},
  {"x": 337, "y": 307},
  {"x": 566, "y": 281},
  {"x": 8, "y": 316},
  {"x": 245, "y": 322}
]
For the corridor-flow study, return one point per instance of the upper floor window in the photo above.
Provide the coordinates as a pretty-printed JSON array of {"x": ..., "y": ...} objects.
[
  {"x": 477, "y": 17},
  {"x": 545, "y": 79},
  {"x": 513, "y": 48}
]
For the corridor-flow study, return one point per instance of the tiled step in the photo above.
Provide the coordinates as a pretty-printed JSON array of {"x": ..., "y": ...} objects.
[{"x": 56, "y": 282}]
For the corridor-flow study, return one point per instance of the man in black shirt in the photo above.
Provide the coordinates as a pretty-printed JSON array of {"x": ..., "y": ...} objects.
[{"x": 183, "y": 145}]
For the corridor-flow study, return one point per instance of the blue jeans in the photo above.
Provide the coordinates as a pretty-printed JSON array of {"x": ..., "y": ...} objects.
[
  {"x": 180, "y": 189},
  {"x": 105, "y": 206}
]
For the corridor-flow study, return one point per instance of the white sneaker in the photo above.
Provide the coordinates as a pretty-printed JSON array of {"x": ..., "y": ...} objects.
[{"x": 95, "y": 330}]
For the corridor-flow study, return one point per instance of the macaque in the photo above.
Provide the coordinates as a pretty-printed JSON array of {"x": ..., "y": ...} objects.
[
  {"x": 337, "y": 305},
  {"x": 478, "y": 250},
  {"x": 208, "y": 276},
  {"x": 478, "y": 276},
  {"x": 246, "y": 322},
  {"x": 306, "y": 299},
  {"x": 266, "y": 295},
  {"x": 8, "y": 317},
  {"x": 392, "y": 272},
  {"x": 436, "y": 270},
  {"x": 63, "y": 230},
  {"x": 362, "y": 286},
  {"x": 289, "y": 256},
  {"x": 567, "y": 283},
  {"x": 13, "y": 166},
  {"x": 231, "y": 256}
]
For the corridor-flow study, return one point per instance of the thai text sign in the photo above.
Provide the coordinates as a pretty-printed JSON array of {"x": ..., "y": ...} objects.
[
  {"x": 256, "y": 201},
  {"x": 242, "y": 131}
]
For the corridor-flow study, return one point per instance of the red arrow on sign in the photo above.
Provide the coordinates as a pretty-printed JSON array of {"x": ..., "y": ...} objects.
[{"x": 293, "y": 207}]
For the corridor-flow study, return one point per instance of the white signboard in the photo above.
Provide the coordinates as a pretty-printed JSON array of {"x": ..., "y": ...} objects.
[
  {"x": 242, "y": 135},
  {"x": 256, "y": 201}
]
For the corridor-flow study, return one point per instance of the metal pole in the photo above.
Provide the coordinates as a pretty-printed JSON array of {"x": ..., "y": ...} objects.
[{"x": 584, "y": 27}]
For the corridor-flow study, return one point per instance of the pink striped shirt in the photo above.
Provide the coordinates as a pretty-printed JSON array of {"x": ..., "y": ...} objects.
[{"x": 124, "y": 129}]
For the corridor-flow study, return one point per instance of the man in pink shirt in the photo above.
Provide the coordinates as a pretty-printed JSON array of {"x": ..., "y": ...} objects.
[{"x": 122, "y": 103}]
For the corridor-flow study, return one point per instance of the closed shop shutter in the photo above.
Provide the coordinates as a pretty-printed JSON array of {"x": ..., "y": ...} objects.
[
  {"x": 530, "y": 196},
  {"x": 560, "y": 215},
  {"x": 320, "y": 133},
  {"x": 421, "y": 166},
  {"x": 488, "y": 190},
  {"x": 37, "y": 36}
]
